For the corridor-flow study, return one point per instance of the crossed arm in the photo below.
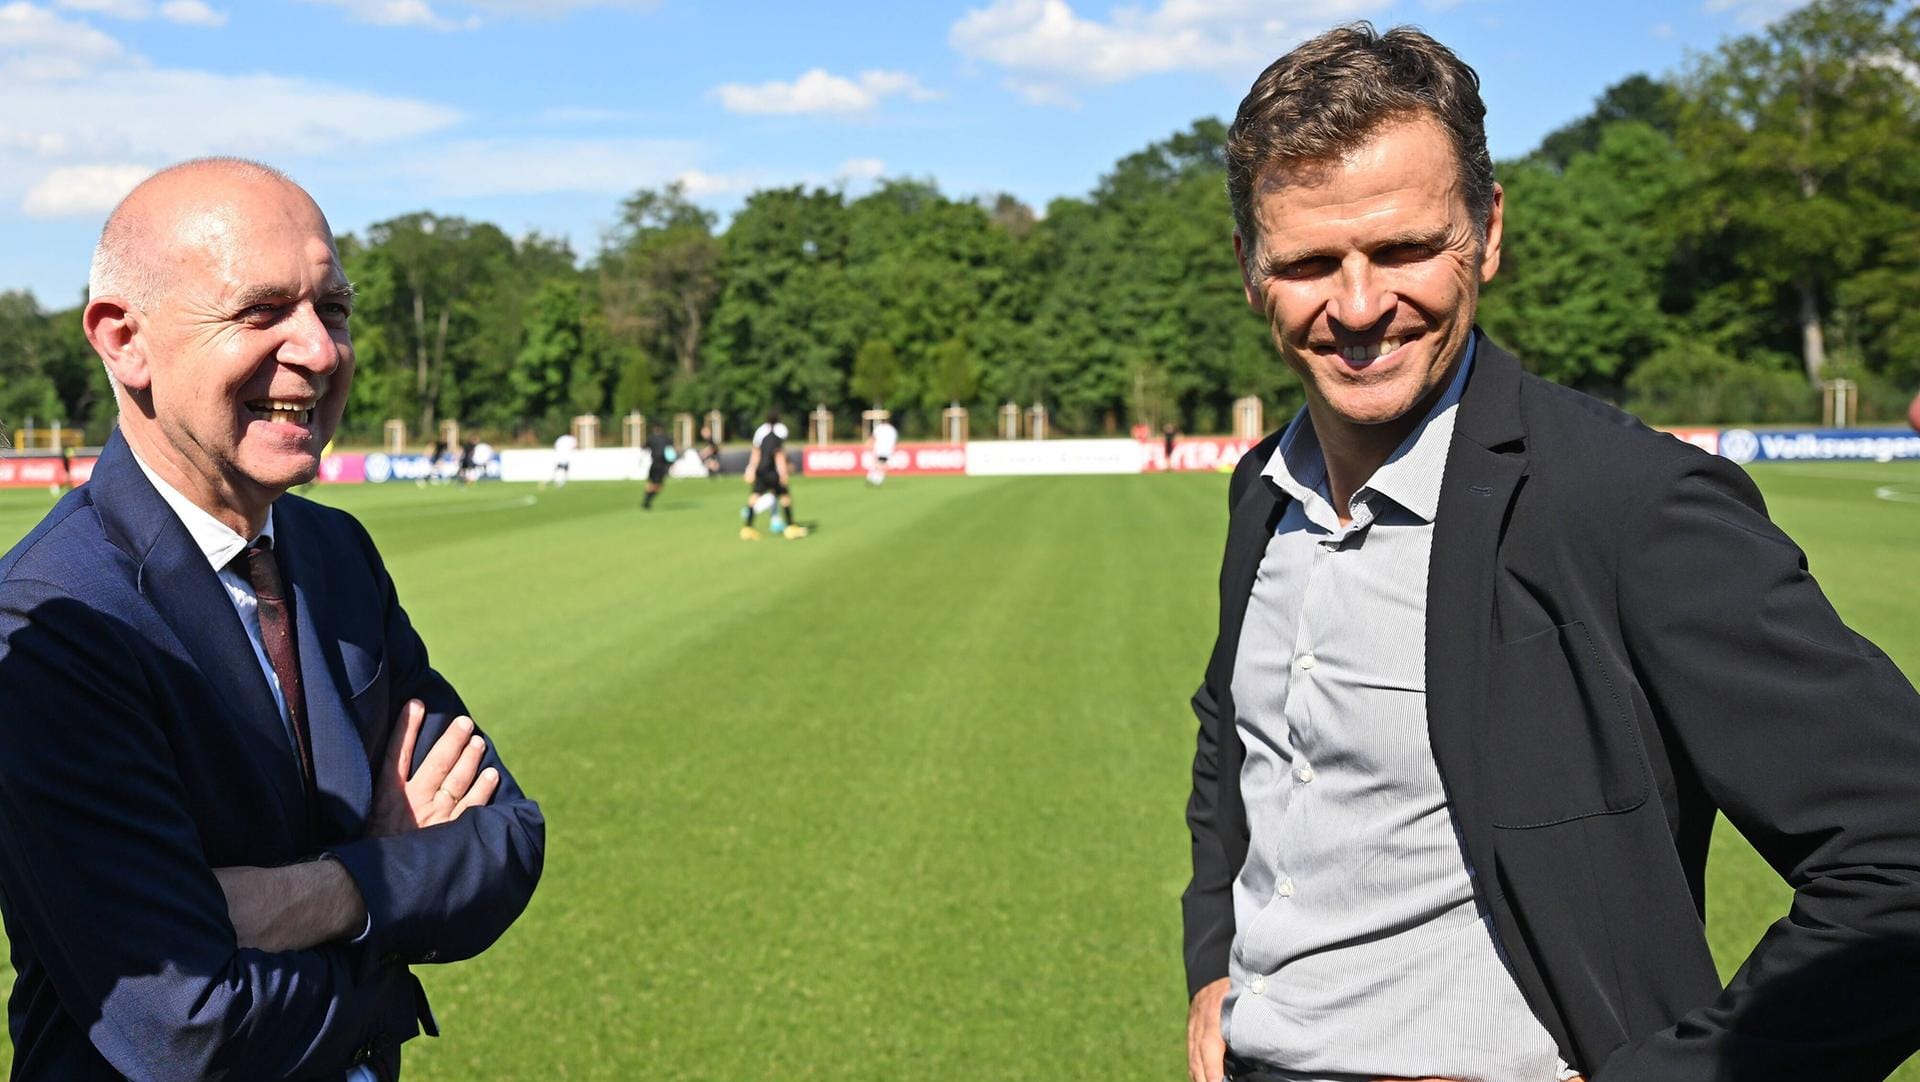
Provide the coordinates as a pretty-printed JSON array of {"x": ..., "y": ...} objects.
[{"x": 300, "y": 906}]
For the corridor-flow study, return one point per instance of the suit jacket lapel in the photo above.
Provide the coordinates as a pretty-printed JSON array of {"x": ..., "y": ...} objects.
[
  {"x": 340, "y": 753},
  {"x": 1248, "y": 532},
  {"x": 1486, "y": 466},
  {"x": 185, "y": 591}
]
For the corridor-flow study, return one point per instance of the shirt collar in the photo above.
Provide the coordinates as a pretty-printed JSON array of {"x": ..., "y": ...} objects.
[
  {"x": 1410, "y": 476},
  {"x": 217, "y": 542}
]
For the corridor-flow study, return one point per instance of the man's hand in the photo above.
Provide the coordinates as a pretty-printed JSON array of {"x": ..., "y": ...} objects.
[
  {"x": 448, "y": 782},
  {"x": 1206, "y": 1052},
  {"x": 294, "y": 907}
]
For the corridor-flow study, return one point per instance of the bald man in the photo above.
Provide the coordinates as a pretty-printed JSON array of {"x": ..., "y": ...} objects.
[{"x": 236, "y": 803}]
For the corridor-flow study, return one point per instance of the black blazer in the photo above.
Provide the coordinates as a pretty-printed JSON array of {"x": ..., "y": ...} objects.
[
  {"x": 140, "y": 748},
  {"x": 1620, "y": 645}
]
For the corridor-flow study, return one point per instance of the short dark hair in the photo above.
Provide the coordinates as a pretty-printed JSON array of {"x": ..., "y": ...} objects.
[{"x": 1333, "y": 93}]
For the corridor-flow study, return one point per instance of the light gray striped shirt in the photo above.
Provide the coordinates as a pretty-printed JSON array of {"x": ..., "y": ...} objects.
[{"x": 1359, "y": 951}]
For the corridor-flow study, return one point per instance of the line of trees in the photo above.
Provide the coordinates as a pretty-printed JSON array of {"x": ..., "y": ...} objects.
[{"x": 1702, "y": 247}]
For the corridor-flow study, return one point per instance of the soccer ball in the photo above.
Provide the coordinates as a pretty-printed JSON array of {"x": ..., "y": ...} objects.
[{"x": 779, "y": 524}]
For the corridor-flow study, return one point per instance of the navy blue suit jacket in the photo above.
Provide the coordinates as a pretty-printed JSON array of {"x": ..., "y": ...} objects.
[{"x": 140, "y": 748}]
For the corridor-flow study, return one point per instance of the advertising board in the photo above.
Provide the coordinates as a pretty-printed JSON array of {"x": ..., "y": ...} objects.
[
  {"x": 1002, "y": 458},
  {"x": 380, "y": 467},
  {"x": 345, "y": 469},
  {"x": 851, "y": 460},
  {"x": 1820, "y": 445},
  {"x": 1194, "y": 454},
  {"x": 40, "y": 471}
]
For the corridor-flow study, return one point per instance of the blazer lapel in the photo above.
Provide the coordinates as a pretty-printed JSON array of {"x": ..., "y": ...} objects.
[
  {"x": 1486, "y": 466},
  {"x": 175, "y": 576},
  {"x": 1250, "y": 525},
  {"x": 341, "y": 757}
]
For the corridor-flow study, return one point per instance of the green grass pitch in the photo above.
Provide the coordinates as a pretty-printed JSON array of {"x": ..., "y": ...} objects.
[{"x": 898, "y": 800}]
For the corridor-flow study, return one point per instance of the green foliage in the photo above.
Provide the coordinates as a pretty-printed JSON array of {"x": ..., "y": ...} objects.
[
  {"x": 1585, "y": 258},
  {"x": 1806, "y": 139},
  {"x": 955, "y": 378},
  {"x": 1637, "y": 98},
  {"x": 438, "y": 323},
  {"x": 48, "y": 372},
  {"x": 565, "y": 364},
  {"x": 658, "y": 273},
  {"x": 875, "y": 371},
  {"x": 1686, "y": 383}
]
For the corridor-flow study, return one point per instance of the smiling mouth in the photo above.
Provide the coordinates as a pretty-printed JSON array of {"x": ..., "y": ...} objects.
[
  {"x": 1363, "y": 355},
  {"x": 281, "y": 411}
]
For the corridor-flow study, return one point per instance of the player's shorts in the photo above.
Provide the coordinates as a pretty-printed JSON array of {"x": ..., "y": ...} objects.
[
  {"x": 763, "y": 483},
  {"x": 657, "y": 473}
]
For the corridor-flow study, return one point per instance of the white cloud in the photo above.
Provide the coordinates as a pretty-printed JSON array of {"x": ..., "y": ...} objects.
[
  {"x": 192, "y": 12},
  {"x": 1048, "y": 42},
  {"x": 1661, "y": 30},
  {"x": 820, "y": 91},
  {"x": 168, "y": 114},
  {"x": 446, "y": 16},
  {"x": 82, "y": 190},
  {"x": 861, "y": 169},
  {"x": 118, "y": 9},
  {"x": 700, "y": 184},
  {"x": 37, "y": 44},
  {"x": 399, "y": 13},
  {"x": 76, "y": 107},
  {"x": 549, "y": 8},
  {"x": 1751, "y": 12}
]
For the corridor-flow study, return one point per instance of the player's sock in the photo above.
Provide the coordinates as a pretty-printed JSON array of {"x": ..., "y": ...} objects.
[
  {"x": 746, "y": 515},
  {"x": 647, "y": 503}
]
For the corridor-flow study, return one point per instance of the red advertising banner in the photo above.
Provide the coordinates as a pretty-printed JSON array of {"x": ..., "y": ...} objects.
[
  {"x": 850, "y": 461},
  {"x": 1707, "y": 439},
  {"x": 1194, "y": 453},
  {"x": 39, "y": 472}
]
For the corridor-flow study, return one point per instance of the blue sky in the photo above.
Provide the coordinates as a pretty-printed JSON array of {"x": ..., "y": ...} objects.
[{"x": 542, "y": 114}]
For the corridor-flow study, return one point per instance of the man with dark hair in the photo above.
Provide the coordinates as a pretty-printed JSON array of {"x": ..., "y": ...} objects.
[
  {"x": 236, "y": 802},
  {"x": 1491, "y": 658}
]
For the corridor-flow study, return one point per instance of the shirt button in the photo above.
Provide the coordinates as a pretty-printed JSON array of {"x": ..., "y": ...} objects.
[
  {"x": 1308, "y": 661},
  {"x": 1285, "y": 889},
  {"x": 1258, "y": 986},
  {"x": 1305, "y": 774}
]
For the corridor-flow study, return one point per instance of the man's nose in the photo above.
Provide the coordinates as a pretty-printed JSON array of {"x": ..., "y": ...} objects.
[
  {"x": 309, "y": 342},
  {"x": 1360, "y": 297}
]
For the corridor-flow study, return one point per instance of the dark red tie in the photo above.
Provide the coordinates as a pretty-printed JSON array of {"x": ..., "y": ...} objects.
[{"x": 261, "y": 568}]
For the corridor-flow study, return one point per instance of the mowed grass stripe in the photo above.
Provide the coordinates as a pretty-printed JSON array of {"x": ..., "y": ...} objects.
[{"x": 860, "y": 801}]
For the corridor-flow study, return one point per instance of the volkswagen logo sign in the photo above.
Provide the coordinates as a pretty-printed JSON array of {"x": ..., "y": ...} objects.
[{"x": 1737, "y": 444}]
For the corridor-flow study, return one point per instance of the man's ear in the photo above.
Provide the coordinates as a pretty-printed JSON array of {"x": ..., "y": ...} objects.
[
  {"x": 1490, "y": 252},
  {"x": 1241, "y": 254},
  {"x": 115, "y": 329}
]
